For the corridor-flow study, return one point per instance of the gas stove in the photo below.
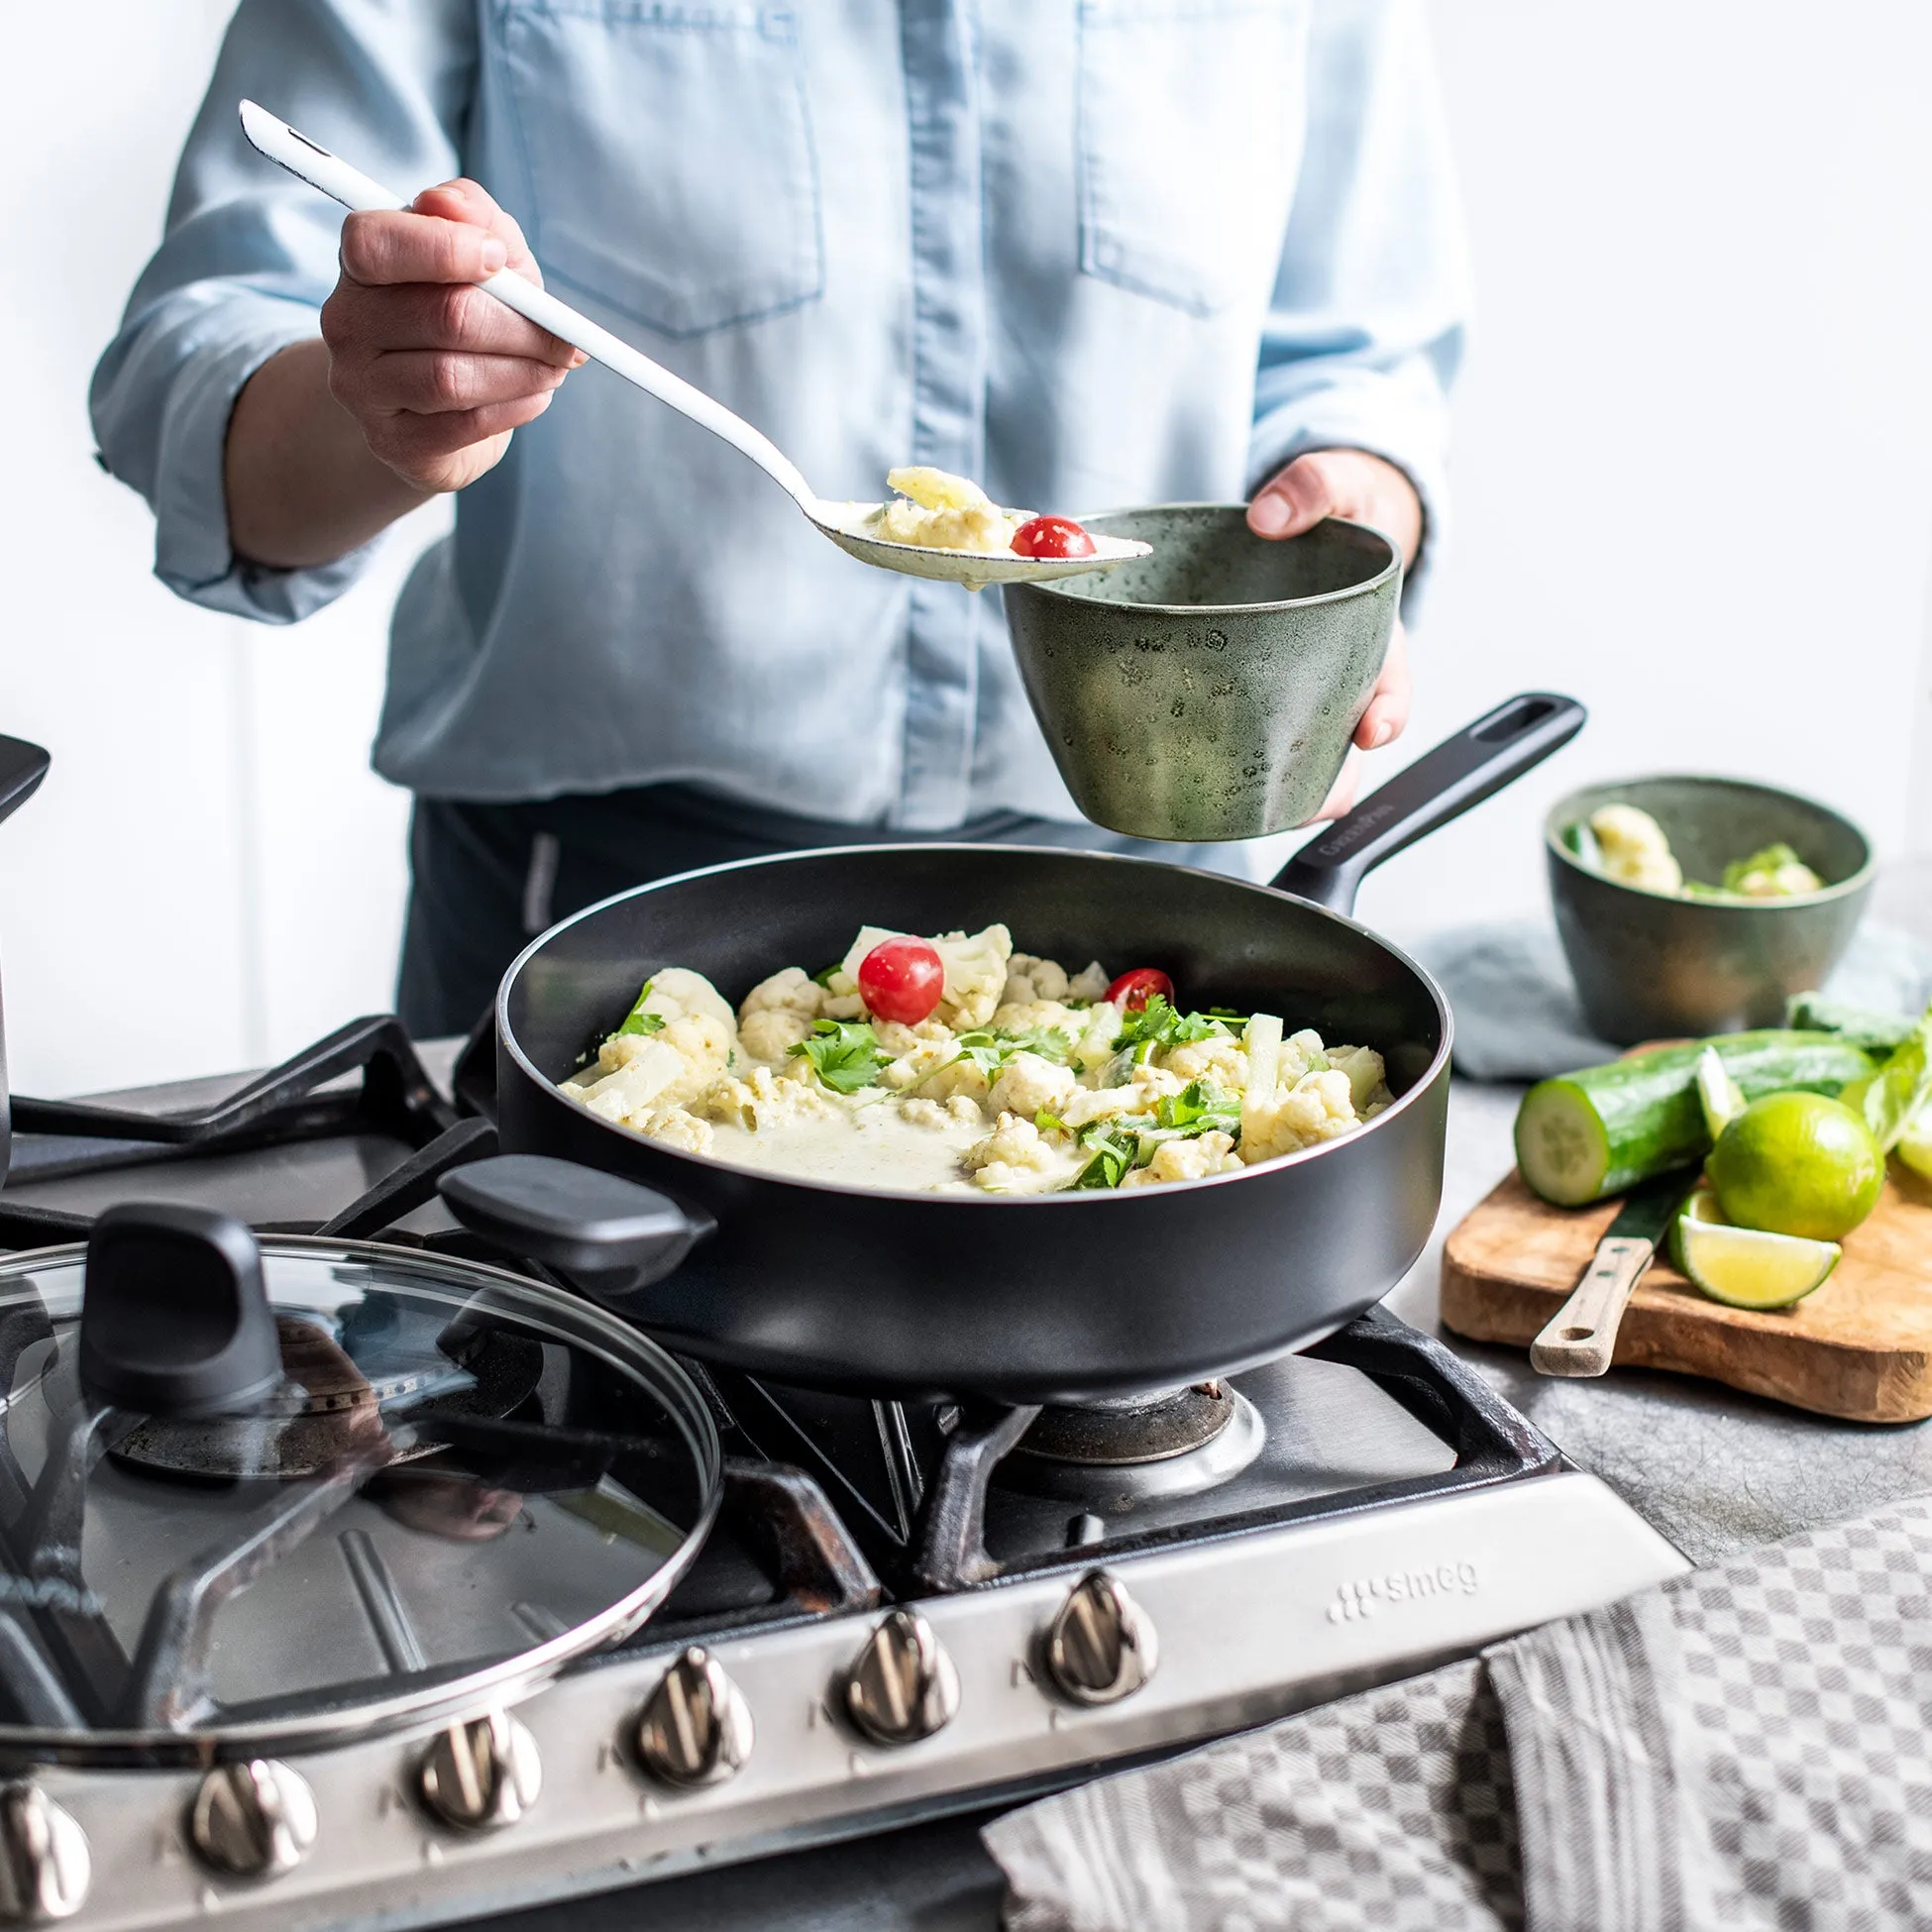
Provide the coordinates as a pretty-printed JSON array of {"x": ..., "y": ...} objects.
[{"x": 899, "y": 1611}]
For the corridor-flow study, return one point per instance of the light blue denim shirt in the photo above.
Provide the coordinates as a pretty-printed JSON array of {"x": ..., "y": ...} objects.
[{"x": 1090, "y": 251}]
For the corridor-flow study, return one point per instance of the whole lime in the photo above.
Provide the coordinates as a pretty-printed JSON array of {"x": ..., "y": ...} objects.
[{"x": 1797, "y": 1164}]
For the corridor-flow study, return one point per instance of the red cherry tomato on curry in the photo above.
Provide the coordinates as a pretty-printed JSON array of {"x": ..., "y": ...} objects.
[
  {"x": 1134, "y": 990},
  {"x": 1052, "y": 536},
  {"x": 902, "y": 979}
]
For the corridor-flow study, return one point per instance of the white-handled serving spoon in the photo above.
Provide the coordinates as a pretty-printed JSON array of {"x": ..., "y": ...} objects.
[{"x": 844, "y": 523}]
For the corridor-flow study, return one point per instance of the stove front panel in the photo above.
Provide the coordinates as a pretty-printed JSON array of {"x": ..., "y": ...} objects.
[{"x": 1251, "y": 1628}]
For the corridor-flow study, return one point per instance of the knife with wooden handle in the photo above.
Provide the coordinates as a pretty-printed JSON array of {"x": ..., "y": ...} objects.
[{"x": 1581, "y": 1338}]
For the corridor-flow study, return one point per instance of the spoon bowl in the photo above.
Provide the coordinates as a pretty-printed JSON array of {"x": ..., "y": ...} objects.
[{"x": 842, "y": 523}]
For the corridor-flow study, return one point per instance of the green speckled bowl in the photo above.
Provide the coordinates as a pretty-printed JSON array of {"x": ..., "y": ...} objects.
[
  {"x": 1650, "y": 966},
  {"x": 1208, "y": 691}
]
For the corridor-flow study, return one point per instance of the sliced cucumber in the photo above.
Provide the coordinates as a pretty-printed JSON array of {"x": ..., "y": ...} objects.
[{"x": 1597, "y": 1132}]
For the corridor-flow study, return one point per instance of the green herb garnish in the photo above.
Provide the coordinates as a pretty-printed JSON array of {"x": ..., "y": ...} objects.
[
  {"x": 1199, "y": 1108},
  {"x": 637, "y": 1021},
  {"x": 845, "y": 1053},
  {"x": 1114, "y": 1155},
  {"x": 1158, "y": 1024}
]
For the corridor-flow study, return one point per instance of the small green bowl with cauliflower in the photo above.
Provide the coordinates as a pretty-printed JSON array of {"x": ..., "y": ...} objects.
[{"x": 1691, "y": 906}]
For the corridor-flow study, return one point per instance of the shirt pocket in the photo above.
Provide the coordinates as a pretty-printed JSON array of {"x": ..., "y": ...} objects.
[
  {"x": 1190, "y": 117},
  {"x": 670, "y": 156}
]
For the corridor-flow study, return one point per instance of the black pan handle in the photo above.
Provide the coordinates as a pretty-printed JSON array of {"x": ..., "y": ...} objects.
[
  {"x": 610, "y": 1235},
  {"x": 21, "y": 767},
  {"x": 1441, "y": 785}
]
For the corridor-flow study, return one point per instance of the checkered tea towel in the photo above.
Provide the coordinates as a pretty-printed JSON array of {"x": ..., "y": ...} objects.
[{"x": 1748, "y": 1746}]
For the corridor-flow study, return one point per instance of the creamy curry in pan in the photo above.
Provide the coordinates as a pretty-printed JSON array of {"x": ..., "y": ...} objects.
[{"x": 953, "y": 1063}]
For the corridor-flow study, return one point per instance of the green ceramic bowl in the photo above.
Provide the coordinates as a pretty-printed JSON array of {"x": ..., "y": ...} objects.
[
  {"x": 1207, "y": 690},
  {"x": 1650, "y": 966}
]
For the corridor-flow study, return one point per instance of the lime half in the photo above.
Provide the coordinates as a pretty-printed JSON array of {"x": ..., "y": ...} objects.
[
  {"x": 1798, "y": 1163},
  {"x": 1744, "y": 1267}
]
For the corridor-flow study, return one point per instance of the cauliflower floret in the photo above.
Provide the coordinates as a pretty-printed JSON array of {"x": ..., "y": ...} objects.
[
  {"x": 1187, "y": 1160},
  {"x": 1016, "y": 1016},
  {"x": 675, "y": 991},
  {"x": 1028, "y": 1083},
  {"x": 959, "y": 1077},
  {"x": 1319, "y": 1108},
  {"x": 1029, "y": 978},
  {"x": 1090, "y": 983},
  {"x": 1086, "y": 1105},
  {"x": 1017, "y": 1158},
  {"x": 1149, "y": 1084},
  {"x": 1634, "y": 849},
  {"x": 1367, "y": 1084},
  {"x": 957, "y": 1111},
  {"x": 705, "y": 1043},
  {"x": 769, "y": 1034},
  {"x": 791, "y": 990},
  {"x": 632, "y": 1071},
  {"x": 762, "y": 1099},
  {"x": 1220, "y": 1060},
  {"x": 675, "y": 1128}
]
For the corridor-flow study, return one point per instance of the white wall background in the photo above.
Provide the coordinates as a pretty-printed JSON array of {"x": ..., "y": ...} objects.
[{"x": 1693, "y": 489}]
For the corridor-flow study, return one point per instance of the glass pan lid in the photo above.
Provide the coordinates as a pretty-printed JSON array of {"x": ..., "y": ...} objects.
[{"x": 454, "y": 1481}]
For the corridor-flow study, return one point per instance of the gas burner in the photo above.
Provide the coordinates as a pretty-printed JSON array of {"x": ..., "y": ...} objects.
[{"x": 1110, "y": 1454}]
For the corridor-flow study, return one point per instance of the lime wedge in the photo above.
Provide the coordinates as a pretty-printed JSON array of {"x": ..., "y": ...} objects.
[
  {"x": 1916, "y": 1143},
  {"x": 1744, "y": 1267},
  {"x": 1721, "y": 1097}
]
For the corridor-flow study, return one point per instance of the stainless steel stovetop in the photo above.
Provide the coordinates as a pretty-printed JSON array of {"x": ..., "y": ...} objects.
[{"x": 901, "y": 1613}]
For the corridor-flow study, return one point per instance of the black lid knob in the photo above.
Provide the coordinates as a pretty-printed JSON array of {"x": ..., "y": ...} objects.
[{"x": 175, "y": 1318}]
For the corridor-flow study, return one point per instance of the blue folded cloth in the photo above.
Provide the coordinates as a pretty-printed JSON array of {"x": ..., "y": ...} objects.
[{"x": 1517, "y": 1017}]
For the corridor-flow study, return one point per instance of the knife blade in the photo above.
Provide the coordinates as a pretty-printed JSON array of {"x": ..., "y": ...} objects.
[{"x": 1581, "y": 1338}]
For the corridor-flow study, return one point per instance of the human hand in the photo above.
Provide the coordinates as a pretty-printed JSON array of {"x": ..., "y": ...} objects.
[
  {"x": 436, "y": 372},
  {"x": 1352, "y": 483}
]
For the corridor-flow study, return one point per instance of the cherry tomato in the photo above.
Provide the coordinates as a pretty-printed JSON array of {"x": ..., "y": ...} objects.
[
  {"x": 1052, "y": 536},
  {"x": 1134, "y": 990},
  {"x": 902, "y": 979}
]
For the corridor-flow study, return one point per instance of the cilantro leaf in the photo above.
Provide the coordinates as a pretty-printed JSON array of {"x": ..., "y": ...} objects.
[
  {"x": 1157, "y": 1023},
  {"x": 1114, "y": 1154},
  {"x": 1199, "y": 1108},
  {"x": 1049, "y": 1123},
  {"x": 637, "y": 1021},
  {"x": 845, "y": 1053}
]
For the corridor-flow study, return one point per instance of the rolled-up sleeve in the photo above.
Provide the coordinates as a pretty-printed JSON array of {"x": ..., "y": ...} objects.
[
  {"x": 1370, "y": 307},
  {"x": 249, "y": 257}
]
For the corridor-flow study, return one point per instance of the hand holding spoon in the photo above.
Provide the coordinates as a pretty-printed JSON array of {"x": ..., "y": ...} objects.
[{"x": 844, "y": 523}]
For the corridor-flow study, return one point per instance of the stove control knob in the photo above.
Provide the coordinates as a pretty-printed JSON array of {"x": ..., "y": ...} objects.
[
  {"x": 697, "y": 1728},
  {"x": 1102, "y": 1645},
  {"x": 45, "y": 1864},
  {"x": 253, "y": 1820},
  {"x": 482, "y": 1776},
  {"x": 902, "y": 1685}
]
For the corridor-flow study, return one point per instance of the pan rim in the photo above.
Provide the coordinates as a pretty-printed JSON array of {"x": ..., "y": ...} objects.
[{"x": 1424, "y": 1082}]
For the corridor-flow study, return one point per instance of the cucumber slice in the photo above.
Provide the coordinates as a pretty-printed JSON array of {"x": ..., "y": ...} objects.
[{"x": 1599, "y": 1130}]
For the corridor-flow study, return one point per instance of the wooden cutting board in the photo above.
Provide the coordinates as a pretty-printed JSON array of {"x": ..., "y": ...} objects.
[{"x": 1860, "y": 1347}]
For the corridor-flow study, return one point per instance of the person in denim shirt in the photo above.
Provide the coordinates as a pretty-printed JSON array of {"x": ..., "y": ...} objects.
[{"x": 1088, "y": 251}]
